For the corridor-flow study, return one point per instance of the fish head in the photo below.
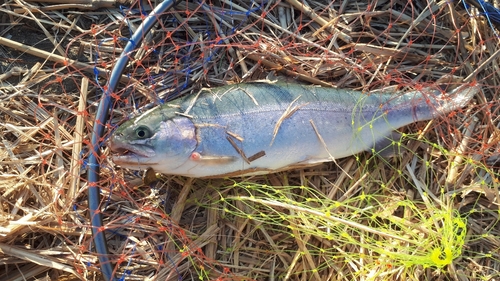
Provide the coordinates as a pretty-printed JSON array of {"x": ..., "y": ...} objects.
[{"x": 155, "y": 141}]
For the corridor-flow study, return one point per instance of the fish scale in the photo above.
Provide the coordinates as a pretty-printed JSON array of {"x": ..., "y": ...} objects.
[{"x": 256, "y": 128}]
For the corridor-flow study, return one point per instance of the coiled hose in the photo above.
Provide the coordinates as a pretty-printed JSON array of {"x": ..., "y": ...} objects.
[{"x": 98, "y": 234}]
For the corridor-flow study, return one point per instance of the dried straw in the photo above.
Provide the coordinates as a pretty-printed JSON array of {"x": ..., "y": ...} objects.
[{"x": 56, "y": 58}]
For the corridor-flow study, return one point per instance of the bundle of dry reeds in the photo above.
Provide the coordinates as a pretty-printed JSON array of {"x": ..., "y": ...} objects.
[{"x": 358, "y": 218}]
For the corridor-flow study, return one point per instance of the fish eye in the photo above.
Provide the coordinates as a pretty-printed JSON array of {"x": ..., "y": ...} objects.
[{"x": 143, "y": 132}]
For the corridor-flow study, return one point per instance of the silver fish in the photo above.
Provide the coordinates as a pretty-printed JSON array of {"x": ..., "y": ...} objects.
[{"x": 257, "y": 128}]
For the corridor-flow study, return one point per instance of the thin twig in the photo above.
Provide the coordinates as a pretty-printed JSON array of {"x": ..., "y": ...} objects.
[{"x": 56, "y": 58}]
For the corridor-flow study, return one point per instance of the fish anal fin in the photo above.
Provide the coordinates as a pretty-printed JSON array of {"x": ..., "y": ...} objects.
[
  {"x": 312, "y": 162},
  {"x": 389, "y": 146}
]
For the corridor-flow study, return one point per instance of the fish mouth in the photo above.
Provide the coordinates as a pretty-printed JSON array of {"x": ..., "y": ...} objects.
[{"x": 131, "y": 154}]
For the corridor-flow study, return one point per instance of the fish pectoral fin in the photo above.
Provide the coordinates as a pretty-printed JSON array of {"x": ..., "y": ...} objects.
[
  {"x": 389, "y": 146},
  {"x": 212, "y": 159}
]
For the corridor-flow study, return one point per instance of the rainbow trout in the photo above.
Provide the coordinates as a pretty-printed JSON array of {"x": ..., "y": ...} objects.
[{"x": 258, "y": 128}]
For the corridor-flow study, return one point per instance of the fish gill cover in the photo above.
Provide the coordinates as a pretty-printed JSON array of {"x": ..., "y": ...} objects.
[{"x": 428, "y": 214}]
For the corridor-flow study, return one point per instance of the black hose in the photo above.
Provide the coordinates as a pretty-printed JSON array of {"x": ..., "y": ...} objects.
[
  {"x": 98, "y": 234},
  {"x": 487, "y": 9}
]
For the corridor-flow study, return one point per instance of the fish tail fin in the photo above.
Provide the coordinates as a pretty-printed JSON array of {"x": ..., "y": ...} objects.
[{"x": 456, "y": 99}]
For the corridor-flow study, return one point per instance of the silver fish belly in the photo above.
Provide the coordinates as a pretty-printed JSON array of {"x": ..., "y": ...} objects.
[{"x": 257, "y": 128}]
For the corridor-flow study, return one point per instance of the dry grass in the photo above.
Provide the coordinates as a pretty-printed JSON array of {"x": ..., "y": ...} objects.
[{"x": 361, "y": 218}]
